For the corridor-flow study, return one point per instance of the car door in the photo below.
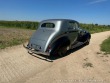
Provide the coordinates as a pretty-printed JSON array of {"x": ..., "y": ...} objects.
[{"x": 72, "y": 31}]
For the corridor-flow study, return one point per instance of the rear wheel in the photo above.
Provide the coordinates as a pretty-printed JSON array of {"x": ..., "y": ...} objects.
[
  {"x": 62, "y": 51},
  {"x": 59, "y": 51}
]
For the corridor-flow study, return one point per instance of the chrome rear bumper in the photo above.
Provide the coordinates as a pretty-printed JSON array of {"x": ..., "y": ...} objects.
[{"x": 30, "y": 50}]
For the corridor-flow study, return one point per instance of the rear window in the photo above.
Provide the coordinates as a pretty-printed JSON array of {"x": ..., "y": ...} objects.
[{"x": 48, "y": 25}]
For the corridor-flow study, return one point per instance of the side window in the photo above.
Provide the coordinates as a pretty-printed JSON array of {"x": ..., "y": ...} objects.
[
  {"x": 76, "y": 25},
  {"x": 73, "y": 25}
]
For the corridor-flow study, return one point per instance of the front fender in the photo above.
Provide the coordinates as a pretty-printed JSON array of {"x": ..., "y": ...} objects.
[{"x": 84, "y": 37}]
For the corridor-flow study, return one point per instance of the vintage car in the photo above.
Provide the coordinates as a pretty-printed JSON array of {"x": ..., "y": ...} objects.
[{"x": 56, "y": 36}]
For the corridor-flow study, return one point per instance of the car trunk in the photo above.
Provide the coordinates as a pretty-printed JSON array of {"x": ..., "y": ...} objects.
[{"x": 39, "y": 39}]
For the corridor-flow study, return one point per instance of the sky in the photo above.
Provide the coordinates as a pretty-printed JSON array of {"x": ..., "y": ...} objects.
[{"x": 83, "y": 11}]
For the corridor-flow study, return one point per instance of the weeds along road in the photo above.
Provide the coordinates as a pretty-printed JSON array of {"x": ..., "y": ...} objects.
[{"x": 85, "y": 65}]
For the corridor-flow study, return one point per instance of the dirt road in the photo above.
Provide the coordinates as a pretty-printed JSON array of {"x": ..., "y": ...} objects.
[{"x": 86, "y": 65}]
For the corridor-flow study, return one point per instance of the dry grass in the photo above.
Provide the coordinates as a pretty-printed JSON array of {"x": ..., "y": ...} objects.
[{"x": 13, "y": 36}]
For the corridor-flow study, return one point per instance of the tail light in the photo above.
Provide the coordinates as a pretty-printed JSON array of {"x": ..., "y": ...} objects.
[{"x": 48, "y": 48}]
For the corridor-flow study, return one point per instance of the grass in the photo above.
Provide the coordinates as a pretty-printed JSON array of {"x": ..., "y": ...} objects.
[
  {"x": 98, "y": 29},
  {"x": 92, "y": 28},
  {"x": 20, "y": 24},
  {"x": 13, "y": 36},
  {"x": 105, "y": 46}
]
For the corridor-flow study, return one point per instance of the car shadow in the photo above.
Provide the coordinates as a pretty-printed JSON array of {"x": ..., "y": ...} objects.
[
  {"x": 51, "y": 59},
  {"x": 68, "y": 52}
]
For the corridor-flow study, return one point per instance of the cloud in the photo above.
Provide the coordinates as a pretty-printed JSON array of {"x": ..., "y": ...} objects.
[{"x": 97, "y": 1}]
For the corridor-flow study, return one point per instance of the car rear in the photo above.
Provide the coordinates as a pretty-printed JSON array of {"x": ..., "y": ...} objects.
[{"x": 40, "y": 40}]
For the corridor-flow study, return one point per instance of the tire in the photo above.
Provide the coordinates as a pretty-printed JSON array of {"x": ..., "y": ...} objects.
[
  {"x": 87, "y": 41},
  {"x": 60, "y": 51}
]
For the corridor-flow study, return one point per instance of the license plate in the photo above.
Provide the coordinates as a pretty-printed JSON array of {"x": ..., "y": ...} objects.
[{"x": 37, "y": 47}]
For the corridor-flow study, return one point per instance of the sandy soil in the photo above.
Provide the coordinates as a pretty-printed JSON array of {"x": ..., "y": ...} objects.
[{"x": 86, "y": 65}]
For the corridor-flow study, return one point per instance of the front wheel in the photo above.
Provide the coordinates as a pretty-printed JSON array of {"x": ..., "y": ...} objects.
[{"x": 87, "y": 41}]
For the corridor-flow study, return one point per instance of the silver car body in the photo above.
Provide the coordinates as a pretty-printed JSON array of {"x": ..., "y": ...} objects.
[{"x": 46, "y": 36}]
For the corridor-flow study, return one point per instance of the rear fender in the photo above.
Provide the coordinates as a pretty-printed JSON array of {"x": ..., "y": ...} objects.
[{"x": 63, "y": 41}]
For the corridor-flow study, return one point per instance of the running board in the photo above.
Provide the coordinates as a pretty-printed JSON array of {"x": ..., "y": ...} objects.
[{"x": 77, "y": 45}]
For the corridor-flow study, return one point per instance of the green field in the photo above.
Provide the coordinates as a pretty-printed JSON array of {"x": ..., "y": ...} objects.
[
  {"x": 13, "y": 36},
  {"x": 105, "y": 46},
  {"x": 95, "y": 28},
  {"x": 19, "y": 24}
]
